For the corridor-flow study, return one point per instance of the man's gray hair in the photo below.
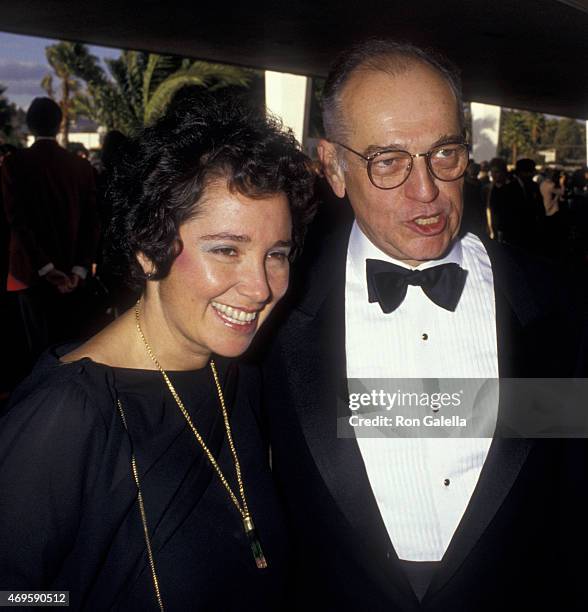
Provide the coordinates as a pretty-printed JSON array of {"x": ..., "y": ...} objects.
[{"x": 380, "y": 55}]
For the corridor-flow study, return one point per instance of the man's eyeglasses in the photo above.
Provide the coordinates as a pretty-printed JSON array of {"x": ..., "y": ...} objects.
[{"x": 389, "y": 168}]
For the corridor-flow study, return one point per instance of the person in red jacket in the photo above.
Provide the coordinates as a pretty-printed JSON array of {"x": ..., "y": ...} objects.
[{"x": 50, "y": 205}]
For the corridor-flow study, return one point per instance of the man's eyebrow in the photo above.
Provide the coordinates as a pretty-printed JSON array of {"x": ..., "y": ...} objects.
[
  {"x": 284, "y": 243},
  {"x": 226, "y": 236},
  {"x": 396, "y": 146},
  {"x": 393, "y": 146},
  {"x": 454, "y": 138}
]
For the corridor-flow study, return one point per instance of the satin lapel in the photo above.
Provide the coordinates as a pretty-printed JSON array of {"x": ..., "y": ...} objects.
[
  {"x": 506, "y": 457},
  {"x": 315, "y": 335},
  {"x": 501, "y": 469}
]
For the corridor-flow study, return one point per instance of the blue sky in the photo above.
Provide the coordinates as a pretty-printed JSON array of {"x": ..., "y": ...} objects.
[{"x": 23, "y": 65}]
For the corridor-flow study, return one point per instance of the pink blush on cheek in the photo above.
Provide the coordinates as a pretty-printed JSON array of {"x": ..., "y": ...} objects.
[
  {"x": 192, "y": 266},
  {"x": 182, "y": 261}
]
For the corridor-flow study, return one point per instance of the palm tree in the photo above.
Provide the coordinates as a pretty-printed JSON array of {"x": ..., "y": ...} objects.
[
  {"x": 47, "y": 85},
  {"x": 140, "y": 85},
  {"x": 536, "y": 125},
  {"x": 570, "y": 140},
  {"x": 157, "y": 94},
  {"x": 515, "y": 134},
  {"x": 148, "y": 81},
  {"x": 63, "y": 57}
]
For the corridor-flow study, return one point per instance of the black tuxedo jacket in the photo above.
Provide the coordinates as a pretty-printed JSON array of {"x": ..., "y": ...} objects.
[
  {"x": 522, "y": 541},
  {"x": 50, "y": 202}
]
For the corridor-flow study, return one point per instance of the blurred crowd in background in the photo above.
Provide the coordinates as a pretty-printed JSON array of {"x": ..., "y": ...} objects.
[{"x": 539, "y": 209}]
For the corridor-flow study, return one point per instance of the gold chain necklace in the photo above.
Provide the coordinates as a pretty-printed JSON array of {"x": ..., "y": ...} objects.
[{"x": 242, "y": 507}]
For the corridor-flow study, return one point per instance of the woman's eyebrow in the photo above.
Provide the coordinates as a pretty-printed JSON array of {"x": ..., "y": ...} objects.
[{"x": 226, "y": 236}]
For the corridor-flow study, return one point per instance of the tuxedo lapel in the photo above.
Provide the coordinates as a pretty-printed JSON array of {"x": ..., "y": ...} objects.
[
  {"x": 509, "y": 286},
  {"x": 322, "y": 400},
  {"x": 529, "y": 297},
  {"x": 317, "y": 378},
  {"x": 506, "y": 456},
  {"x": 505, "y": 459}
]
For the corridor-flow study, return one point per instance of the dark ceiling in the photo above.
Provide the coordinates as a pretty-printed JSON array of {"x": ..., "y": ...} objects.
[{"x": 530, "y": 54}]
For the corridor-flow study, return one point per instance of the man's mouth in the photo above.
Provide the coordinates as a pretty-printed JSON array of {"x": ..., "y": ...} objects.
[
  {"x": 234, "y": 315},
  {"x": 429, "y": 226},
  {"x": 427, "y": 220}
]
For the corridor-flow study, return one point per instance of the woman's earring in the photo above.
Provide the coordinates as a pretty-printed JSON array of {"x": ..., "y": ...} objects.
[{"x": 149, "y": 275}]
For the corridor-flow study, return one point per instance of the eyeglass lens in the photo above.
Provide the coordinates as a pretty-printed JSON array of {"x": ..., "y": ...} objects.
[{"x": 446, "y": 162}]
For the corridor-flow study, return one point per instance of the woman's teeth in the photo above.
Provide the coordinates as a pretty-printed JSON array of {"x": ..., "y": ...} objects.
[
  {"x": 234, "y": 315},
  {"x": 427, "y": 220}
]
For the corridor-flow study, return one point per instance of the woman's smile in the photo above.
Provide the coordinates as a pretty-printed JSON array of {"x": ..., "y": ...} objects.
[{"x": 244, "y": 321}]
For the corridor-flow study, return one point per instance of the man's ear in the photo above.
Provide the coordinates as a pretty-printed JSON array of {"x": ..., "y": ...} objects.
[{"x": 331, "y": 167}]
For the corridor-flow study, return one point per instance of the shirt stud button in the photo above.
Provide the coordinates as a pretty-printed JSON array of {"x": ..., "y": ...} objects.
[
  {"x": 425, "y": 336},
  {"x": 447, "y": 482}
]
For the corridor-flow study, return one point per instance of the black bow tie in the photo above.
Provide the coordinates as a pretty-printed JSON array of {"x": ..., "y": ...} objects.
[{"x": 387, "y": 283}]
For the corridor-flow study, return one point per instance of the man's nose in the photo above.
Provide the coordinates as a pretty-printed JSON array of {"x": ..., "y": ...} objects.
[
  {"x": 254, "y": 284},
  {"x": 420, "y": 185}
]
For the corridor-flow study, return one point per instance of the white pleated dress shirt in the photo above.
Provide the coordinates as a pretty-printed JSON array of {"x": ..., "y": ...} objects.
[{"x": 422, "y": 485}]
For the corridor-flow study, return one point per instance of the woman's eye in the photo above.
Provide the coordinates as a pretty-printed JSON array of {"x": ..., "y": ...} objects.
[{"x": 225, "y": 251}]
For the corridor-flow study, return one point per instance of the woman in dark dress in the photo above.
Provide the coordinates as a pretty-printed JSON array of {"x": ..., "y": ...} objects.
[{"x": 133, "y": 471}]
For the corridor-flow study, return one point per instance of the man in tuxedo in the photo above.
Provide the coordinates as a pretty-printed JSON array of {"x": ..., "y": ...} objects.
[
  {"x": 50, "y": 203},
  {"x": 399, "y": 292}
]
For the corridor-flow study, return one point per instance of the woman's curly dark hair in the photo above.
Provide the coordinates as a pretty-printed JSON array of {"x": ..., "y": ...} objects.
[{"x": 165, "y": 170}]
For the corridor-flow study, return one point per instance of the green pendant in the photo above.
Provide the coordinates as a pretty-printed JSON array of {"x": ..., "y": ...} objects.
[{"x": 254, "y": 542}]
